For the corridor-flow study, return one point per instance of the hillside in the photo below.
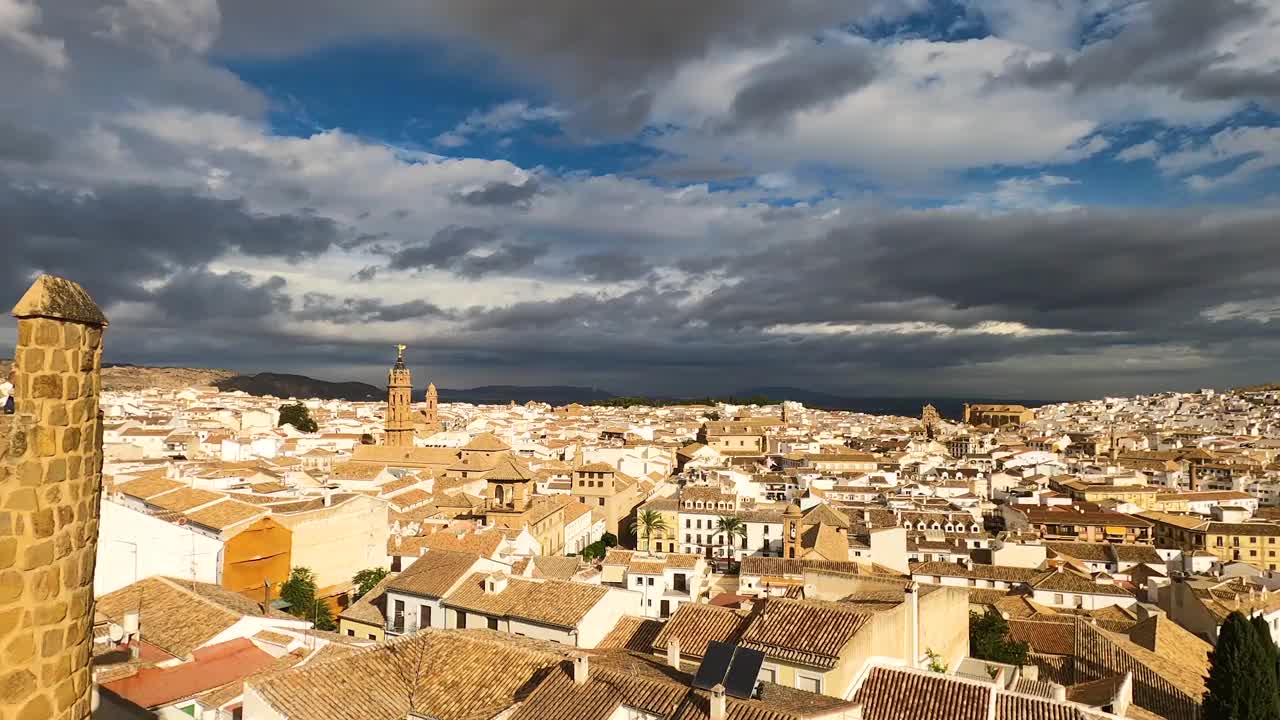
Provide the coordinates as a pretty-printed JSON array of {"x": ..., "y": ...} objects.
[
  {"x": 283, "y": 385},
  {"x": 135, "y": 377}
]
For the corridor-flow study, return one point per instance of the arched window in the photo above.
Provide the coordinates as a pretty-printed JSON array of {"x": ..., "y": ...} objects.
[{"x": 498, "y": 494}]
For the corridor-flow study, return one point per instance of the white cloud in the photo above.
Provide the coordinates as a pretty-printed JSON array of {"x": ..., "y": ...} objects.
[
  {"x": 1000, "y": 328},
  {"x": 165, "y": 25},
  {"x": 17, "y": 18},
  {"x": 1240, "y": 154},
  {"x": 1017, "y": 194},
  {"x": 500, "y": 119},
  {"x": 1140, "y": 151}
]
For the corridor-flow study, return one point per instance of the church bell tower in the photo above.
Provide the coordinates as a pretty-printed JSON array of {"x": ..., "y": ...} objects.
[{"x": 399, "y": 424}]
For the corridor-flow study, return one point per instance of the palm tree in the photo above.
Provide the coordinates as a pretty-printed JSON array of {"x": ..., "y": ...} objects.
[
  {"x": 649, "y": 522},
  {"x": 729, "y": 528}
]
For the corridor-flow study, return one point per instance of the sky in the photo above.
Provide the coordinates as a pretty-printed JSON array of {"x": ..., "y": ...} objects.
[{"x": 1044, "y": 199}]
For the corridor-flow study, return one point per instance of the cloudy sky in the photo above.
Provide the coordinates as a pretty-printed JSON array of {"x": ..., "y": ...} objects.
[{"x": 982, "y": 198}]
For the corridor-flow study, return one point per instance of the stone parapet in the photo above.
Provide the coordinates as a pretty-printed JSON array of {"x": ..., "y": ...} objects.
[{"x": 50, "y": 489}]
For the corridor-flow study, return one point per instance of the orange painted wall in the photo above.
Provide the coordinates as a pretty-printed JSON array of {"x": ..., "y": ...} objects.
[{"x": 260, "y": 552}]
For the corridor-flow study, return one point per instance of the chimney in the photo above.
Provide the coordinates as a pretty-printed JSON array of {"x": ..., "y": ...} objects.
[
  {"x": 1059, "y": 692},
  {"x": 1124, "y": 696},
  {"x": 719, "y": 709},
  {"x": 912, "y": 592},
  {"x": 132, "y": 634},
  {"x": 673, "y": 652},
  {"x": 580, "y": 670}
]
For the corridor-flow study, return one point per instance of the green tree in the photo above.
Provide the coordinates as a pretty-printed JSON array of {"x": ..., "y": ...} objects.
[
  {"x": 300, "y": 592},
  {"x": 1263, "y": 631},
  {"x": 365, "y": 580},
  {"x": 649, "y": 522},
  {"x": 1242, "y": 678},
  {"x": 729, "y": 529},
  {"x": 298, "y": 416},
  {"x": 989, "y": 639},
  {"x": 597, "y": 549}
]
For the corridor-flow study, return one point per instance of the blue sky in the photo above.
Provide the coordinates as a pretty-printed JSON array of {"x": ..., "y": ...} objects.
[{"x": 1043, "y": 198}]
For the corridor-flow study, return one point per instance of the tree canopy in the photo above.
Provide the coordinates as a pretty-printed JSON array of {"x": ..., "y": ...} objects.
[
  {"x": 298, "y": 416},
  {"x": 300, "y": 592},
  {"x": 1242, "y": 674},
  {"x": 597, "y": 549},
  {"x": 365, "y": 580},
  {"x": 989, "y": 639}
]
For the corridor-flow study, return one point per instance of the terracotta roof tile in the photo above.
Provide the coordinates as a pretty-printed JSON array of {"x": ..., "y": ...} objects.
[{"x": 450, "y": 674}]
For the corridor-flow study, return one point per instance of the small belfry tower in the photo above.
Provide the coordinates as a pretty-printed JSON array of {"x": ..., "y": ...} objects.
[
  {"x": 432, "y": 410},
  {"x": 399, "y": 425}
]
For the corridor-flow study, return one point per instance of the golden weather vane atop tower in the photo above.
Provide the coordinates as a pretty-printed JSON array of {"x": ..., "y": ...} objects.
[{"x": 400, "y": 352}]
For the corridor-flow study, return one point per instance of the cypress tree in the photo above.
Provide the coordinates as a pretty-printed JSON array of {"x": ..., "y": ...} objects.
[
  {"x": 1262, "y": 632},
  {"x": 1241, "y": 685}
]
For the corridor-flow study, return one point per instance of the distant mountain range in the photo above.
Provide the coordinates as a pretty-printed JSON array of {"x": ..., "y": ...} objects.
[
  {"x": 284, "y": 385},
  {"x": 125, "y": 377}
]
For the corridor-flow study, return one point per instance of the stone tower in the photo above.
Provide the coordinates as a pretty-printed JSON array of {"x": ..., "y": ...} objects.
[
  {"x": 432, "y": 410},
  {"x": 399, "y": 425},
  {"x": 791, "y": 520},
  {"x": 50, "y": 487}
]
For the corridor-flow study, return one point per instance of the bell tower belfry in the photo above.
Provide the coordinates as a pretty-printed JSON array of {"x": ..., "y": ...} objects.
[
  {"x": 432, "y": 410},
  {"x": 399, "y": 424}
]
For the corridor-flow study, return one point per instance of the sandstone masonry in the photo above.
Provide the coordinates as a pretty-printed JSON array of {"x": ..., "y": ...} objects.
[{"x": 50, "y": 488}]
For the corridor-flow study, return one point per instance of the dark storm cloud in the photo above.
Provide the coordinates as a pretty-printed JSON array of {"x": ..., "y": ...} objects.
[
  {"x": 117, "y": 238},
  {"x": 1172, "y": 48},
  {"x": 502, "y": 194},
  {"x": 1082, "y": 270},
  {"x": 808, "y": 78},
  {"x": 327, "y": 308},
  {"x": 446, "y": 247},
  {"x": 611, "y": 266},
  {"x": 469, "y": 251},
  {"x": 605, "y": 57},
  {"x": 201, "y": 296},
  {"x": 23, "y": 144}
]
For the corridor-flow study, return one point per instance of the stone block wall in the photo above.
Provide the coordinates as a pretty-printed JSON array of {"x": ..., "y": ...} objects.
[{"x": 50, "y": 488}]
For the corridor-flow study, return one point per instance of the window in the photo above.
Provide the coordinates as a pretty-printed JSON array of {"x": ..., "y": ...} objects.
[
  {"x": 768, "y": 674},
  {"x": 650, "y": 582},
  {"x": 601, "y": 502},
  {"x": 1057, "y": 599},
  {"x": 688, "y": 523},
  {"x": 424, "y": 616},
  {"x": 371, "y": 636},
  {"x": 809, "y": 684},
  {"x": 766, "y": 531},
  {"x": 639, "y": 582},
  {"x": 351, "y": 632},
  {"x": 493, "y": 623},
  {"x": 688, "y": 538}
]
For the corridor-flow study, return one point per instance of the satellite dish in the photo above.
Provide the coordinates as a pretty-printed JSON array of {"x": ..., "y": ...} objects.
[{"x": 115, "y": 632}]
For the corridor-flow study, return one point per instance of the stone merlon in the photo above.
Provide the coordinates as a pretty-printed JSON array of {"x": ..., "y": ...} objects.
[{"x": 59, "y": 299}]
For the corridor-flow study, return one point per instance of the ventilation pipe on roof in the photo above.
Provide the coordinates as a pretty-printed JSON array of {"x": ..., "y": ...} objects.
[
  {"x": 912, "y": 592},
  {"x": 1059, "y": 692},
  {"x": 580, "y": 670}
]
